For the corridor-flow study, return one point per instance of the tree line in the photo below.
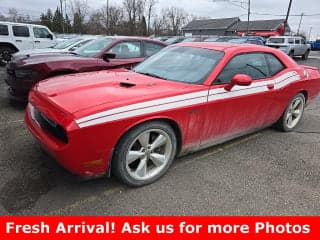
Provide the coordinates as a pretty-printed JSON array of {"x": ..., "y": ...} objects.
[{"x": 130, "y": 17}]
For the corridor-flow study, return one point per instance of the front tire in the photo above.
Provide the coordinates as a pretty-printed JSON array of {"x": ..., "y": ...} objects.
[
  {"x": 144, "y": 154},
  {"x": 293, "y": 114}
]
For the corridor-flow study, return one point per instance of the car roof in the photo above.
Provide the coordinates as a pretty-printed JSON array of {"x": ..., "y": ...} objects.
[
  {"x": 222, "y": 46},
  {"x": 22, "y": 24}
]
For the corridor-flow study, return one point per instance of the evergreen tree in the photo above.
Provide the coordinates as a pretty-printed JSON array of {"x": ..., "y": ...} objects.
[
  {"x": 77, "y": 23},
  {"x": 57, "y": 21}
]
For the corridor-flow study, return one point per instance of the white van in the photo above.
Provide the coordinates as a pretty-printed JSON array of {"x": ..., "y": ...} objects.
[{"x": 20, "y": 36}]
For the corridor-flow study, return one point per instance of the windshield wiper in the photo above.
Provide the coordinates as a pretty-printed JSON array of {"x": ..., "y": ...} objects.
[
  {"x": 152, "y": 75},
  {"x": 73, "y": 53}
]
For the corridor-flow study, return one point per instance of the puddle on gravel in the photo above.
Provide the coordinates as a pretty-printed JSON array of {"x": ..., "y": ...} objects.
[{"x": 22, "y": 192}]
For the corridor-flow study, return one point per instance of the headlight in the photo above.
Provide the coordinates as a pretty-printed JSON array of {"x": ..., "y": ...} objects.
[{"x": 23, "y": 73}]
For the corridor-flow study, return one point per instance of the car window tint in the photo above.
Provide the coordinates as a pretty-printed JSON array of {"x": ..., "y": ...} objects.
[
  {"x": 4, "y": 30},
  {"x": 126, "y": 50},
  {"x": 297, "y": 41},
  {"x": 151, "y": 48},
  {"x": 302, "y": 41},
  {"x": 274, "y": 64},
  {"x": 20, "y": 31},
  {"x": 41, "y": 32},
  {"x": 252, "y": 64}
]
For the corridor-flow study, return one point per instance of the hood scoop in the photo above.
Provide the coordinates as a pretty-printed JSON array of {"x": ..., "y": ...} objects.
[{"x": 127, "y": 84}]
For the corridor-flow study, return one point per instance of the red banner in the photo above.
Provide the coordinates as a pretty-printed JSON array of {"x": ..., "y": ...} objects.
[{"x": 249, "y": 228}]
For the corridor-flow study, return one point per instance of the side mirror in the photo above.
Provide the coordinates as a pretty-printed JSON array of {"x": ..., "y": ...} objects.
[
  {"x": 240, "y": 80},
  {"x": 50, "y": 36},
  {"x": 108, "y": 56}
]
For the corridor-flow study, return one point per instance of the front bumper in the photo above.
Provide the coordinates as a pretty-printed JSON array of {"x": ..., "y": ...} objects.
[
  {"x": 80, "y": 156},
  {"x": 19, "y": 87}
]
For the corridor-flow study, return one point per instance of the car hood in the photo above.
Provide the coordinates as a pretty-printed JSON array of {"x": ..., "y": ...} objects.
[
  {"x": 48, "y": 58},
  {"x": 83, "y": 94},
  {"x": 29, "y": 52}
]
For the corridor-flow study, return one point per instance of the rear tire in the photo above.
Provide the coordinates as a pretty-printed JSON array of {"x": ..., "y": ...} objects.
[
  {"x": 291, "y": 54},
  {"x": 306, "y": 55},
  {"x": 5, "y": 54},
  {"x": 144, "y": 154},
  {"x": 292, "y": 116}
]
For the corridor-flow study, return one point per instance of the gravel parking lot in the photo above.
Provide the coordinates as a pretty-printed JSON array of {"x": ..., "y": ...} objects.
[{"x": 266, "y": 173}]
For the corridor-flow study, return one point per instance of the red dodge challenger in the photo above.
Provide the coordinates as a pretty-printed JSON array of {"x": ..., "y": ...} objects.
[
  {"x": 189, "y": 96},
  {"x": 100, "y": 54}
]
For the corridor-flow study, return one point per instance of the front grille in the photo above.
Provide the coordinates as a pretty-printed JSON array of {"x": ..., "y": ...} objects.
[{"x": 51, "y": 126}]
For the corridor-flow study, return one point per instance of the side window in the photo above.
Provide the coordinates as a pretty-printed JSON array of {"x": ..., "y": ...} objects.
[
  {"x": 297, "y": 41},
  {"x": 252, "y": 64},
  {"x": 275, "y": 65},
  {"x": 4, "y": 30},
  {"x": 41, "y": 32},
  {"x": 303, "y": 41},
  {"x": 20, "y": 31},
  {"x": 127, "y": 50},
  {"x": 152, "y": 48},
  {"x": 290, "y": 40}
]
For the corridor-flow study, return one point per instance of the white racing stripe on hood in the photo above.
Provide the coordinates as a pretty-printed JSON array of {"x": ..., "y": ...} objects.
[{"x": 184, "y": 100}]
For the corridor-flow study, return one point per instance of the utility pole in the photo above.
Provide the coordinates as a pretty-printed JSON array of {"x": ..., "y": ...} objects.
[
  {"x": 310, "y": 33},
  {"x": 286, "y": 21},
  {"x": 248, "y": 17},
  {"x": 107, "y": 14},
  {"x": 300, "y": 22},
  {"x": 62, "y": 18}
]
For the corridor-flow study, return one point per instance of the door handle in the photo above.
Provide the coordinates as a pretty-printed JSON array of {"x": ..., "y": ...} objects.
[
  {"x": 18, "y": 40},
  {"x": 37, "y": 41},
  {"x": 270, "y": 86}
]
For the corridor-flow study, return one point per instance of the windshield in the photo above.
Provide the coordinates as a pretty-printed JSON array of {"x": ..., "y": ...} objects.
[
  {"x": 93, "y": 48},
  {"x": 182, "y": 64},
  {"x": 276, "y": 40},
  {"x": 66, "y": 43}
]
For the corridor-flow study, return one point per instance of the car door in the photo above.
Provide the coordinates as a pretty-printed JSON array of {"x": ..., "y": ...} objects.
[
  {"x": 244, "y": 108},
  {"x": 42, "y": 37},
  {"x": 22, "y": 37},
  {"x": 127, "y": 54},
  {"x": 298, "y": 48}
]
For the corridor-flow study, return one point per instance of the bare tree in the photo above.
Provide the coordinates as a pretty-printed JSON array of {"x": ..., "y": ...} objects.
[
  {"x": 150, "y": 5},
  {"x": 175, "y": 18},
  {"x": 13, "y": 14},
  {"x": 134, "y": 10},
  {"x": 111, "y": 18},
  {"x": 79, "y": 11}
]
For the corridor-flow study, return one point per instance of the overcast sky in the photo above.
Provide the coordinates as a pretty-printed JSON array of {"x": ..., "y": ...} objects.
[{"x": 204, "y": 8}]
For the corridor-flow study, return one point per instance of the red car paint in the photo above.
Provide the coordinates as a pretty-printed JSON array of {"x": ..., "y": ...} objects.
[
  {"x": 96, "y": 109},
  {"x": 52, "y": 64}
]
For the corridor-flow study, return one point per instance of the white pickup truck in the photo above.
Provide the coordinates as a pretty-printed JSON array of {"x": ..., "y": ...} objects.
[
  {"x": 15, "y": 37},
  {"x": 291, "y": 45}
]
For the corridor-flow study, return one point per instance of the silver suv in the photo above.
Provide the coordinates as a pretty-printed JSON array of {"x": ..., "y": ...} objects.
[{"x": 293, "y": 46}]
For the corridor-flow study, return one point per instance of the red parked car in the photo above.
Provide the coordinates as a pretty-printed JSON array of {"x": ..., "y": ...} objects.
[
  {"x": 186, "y": 97},
  {"x": 102, "y": 53}
]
